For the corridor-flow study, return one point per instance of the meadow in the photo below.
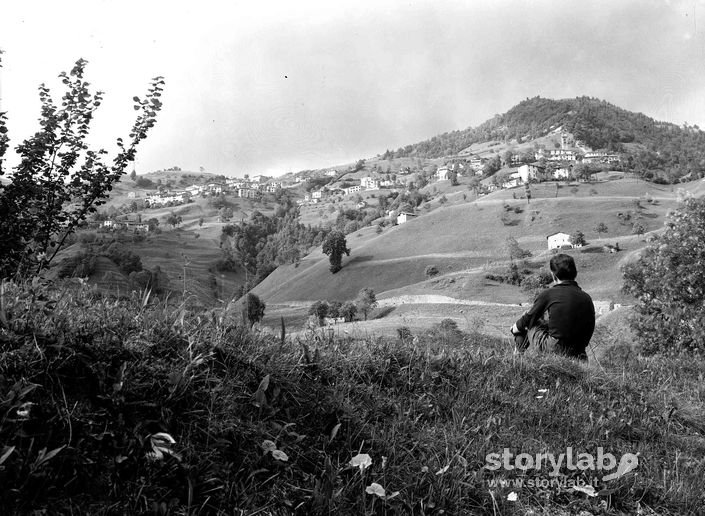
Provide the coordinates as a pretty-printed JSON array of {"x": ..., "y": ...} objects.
[{"x": 132, "y": 406}]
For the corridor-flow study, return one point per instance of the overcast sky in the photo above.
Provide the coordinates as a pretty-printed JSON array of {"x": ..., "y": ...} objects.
[{"x": 273, "y": 86}]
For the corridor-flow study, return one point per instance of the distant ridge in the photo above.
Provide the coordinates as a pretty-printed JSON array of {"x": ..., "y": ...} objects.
[{"x": 649, "y": 145}]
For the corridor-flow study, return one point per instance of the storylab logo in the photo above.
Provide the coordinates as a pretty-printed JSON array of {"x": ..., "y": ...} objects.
[{"x": 603, "y": 462}]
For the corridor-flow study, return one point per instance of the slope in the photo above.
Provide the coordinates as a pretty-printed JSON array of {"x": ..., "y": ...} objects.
[{"x": 464, "y": 240}]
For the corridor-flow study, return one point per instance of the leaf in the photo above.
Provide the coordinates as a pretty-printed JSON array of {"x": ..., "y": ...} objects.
[
  {"x": 7, "y": 453},
  {"x": 264, "y": 384},
  {"x": 43, "y": 457},
  {"x": 268, "y": 446},
  {"x": 334, "y": 432},
  {"x": 588, "y": 490}
]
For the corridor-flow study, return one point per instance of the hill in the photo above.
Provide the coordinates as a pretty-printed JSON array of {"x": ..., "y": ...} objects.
[
  {"x": 465, "y": 240},
  {"x": 650, "y": 146}
]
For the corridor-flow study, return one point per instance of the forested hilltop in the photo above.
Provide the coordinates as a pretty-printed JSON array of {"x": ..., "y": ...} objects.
[{"x": 652, "y": 148}]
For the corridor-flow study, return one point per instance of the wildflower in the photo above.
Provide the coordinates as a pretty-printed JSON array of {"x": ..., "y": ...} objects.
[
  {"x": 442, "y": 470},
  {"x": 376, "y": 489},
  {"x": 161, "y": 443},
  {"x": 512, "y": 497},
  {"x": 361, "y": 460},
  {"x": 424, "y": 469},
  {"x": 268, "y": 446},
  {"x": 384, "y": 461},
  {"x": 24, "y": 410},
  {"x": 280, "y": 455}
]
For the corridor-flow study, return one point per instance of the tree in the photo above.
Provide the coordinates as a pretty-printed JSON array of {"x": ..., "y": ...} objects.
[
  {"x": 638, "y": 228},
  {"x": 60, "y": 180},
  {"x": 669, "y": 286},
  {"x": 515, "y": 252},
  {"x": 253, "y": 311},
  {"x": 366, "y": 301},
  {"x": 320, "y": 310},
  {"x": 133, "y": 175},
  {"x": 601, "y": 227},
  {"x": 173, "y": 219},
  {"x": 348, "y": 311},
  {"x": 577, "y": 238},
  {"x": 334, "y": 246}
]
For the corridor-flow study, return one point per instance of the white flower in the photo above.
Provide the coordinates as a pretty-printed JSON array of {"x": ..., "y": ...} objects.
[
  {"x": 280, "y": 455},
  {"x": 376, "y": 489},
  {"x": 268, "y": 446},
  {"x": 512, "y": 497},
  {"x": 361, "y": 460}
]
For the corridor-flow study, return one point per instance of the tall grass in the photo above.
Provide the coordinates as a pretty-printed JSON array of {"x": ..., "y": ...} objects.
[{"x": 267, "y": 424}]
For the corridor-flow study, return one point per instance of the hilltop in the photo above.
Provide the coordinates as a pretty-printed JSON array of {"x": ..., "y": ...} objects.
[{"x": 656, "y": 147}]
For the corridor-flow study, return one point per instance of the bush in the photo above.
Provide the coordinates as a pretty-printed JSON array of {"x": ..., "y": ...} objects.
[
  {"x": 404, "y": 333},
  {"x": 431, "y": 271},
  {"x": 669, "y": 286}
]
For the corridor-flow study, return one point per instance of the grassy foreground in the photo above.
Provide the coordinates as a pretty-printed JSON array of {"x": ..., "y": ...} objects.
[{"x": 90, "y": 385}]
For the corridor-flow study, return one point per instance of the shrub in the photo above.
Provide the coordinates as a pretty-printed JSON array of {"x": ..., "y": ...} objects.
[
  {"x": 404, "y": 333},
  {"x": 431, "y": 271},
  {"x": 669, "y": 286}
]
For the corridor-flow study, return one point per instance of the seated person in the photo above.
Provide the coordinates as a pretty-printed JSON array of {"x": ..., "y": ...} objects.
[{"x": 562, "y": 319}]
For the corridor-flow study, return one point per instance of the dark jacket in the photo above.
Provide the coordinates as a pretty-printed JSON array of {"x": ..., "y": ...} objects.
[{"x": 570, "y": 314}]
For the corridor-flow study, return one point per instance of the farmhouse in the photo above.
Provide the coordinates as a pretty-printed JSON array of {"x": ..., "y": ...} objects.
[
  {"x": 529, "y": 172},
  {"x": 404, "y": 216},
  {"x": 558, "y": 240},
  {"x": 316, "y": 194},
  {"x": 442, "y": 173},
  {"x": 352, "y": 189},
  {"x": 369, "y": 183}
]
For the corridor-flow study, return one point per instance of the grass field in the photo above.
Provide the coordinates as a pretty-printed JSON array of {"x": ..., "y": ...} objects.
[{"x": 126, "y": 407}]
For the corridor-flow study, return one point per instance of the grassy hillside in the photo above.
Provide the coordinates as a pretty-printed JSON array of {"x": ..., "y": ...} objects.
[
  {"x": 467, "y": 238},
  {"x": 139, "y": 408}
]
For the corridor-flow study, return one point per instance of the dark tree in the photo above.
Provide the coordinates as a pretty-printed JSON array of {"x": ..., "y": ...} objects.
[
  {"x": 254, "y": 309},
  {"x": 335, "y": 246},
  {"x": 59, "y": 180}
]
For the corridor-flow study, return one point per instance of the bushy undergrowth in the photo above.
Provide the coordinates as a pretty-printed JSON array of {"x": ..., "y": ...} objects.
[{"x": 89, "y": 386}]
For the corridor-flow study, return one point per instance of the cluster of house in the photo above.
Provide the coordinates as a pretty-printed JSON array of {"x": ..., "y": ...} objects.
[
  {"x": 116, "y": 225},
  {"x": 366, "y": 183},
  {"x": 248, "y": 188}
]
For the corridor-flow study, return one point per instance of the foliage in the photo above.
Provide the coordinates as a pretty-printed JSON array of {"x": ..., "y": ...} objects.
[
  {"x": 348, "y": 310},
  {"x": 320, "y": 309},
  {"x": 577, "y": 238},
  {"x": 514, "y": 251},
  {"x": 533, "y": 284},
  {"x": 335, "y": 246},
  {"x": 173, "y": 219},
  {"x": 59, "y": 180},
  {"x": 601, "y": 227},
  {"x": 404, "y": 333},
  {"x": 366, "y": 301},
  {"x": 253, "y": 311},
  {"x": 431, "y": 271},
  {"x": 669, "y": 286}
]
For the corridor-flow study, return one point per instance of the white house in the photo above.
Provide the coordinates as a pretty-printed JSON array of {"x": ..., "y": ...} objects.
[
  {"x": 404, "y": 217},
  {"x": 528, "y": 172},
  {"x": 352, "y": 189},
  {"x": 316, "y": 194},
  {"x": 369, "y": 183},
  {"x": 558, "y": 240},
  {"x": 331, "y": 173},
  {"x": 442, "y": 173}
]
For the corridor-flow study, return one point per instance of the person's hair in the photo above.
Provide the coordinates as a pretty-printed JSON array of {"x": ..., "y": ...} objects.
[{"x": 563, "y": 266}]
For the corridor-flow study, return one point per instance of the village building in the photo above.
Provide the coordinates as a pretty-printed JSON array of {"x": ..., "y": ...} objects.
[
  {"x": 442, "y": 173},
  {"x": 404, "y": 217},
  {"x": 368, "y": 183},
  {"x": 352, "y": 189},
  {"x": 529, "y": 172},
  {"x": 561, "y": 173},
  {"x": 558, "y": 240}
]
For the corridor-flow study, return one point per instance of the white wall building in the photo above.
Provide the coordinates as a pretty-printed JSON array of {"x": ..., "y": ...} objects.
[{"x": 558, "y": 240}]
